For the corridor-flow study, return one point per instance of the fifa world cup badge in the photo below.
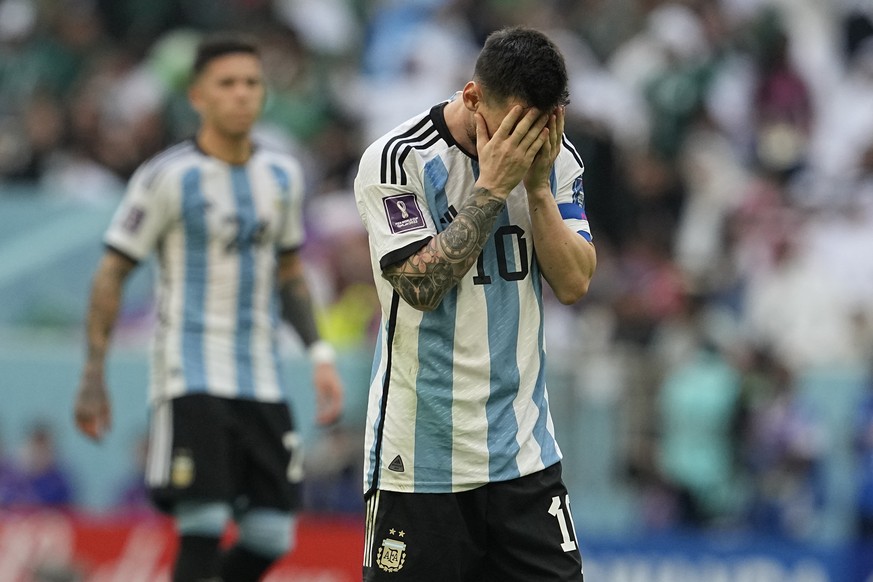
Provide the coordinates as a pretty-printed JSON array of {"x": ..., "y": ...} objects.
[{"x": 391, "y": 555}]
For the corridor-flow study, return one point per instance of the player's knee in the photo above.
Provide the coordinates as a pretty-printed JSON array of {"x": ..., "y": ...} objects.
[
  {"x": 267, "y": 532},
  {"x": 202, "y": 518}
]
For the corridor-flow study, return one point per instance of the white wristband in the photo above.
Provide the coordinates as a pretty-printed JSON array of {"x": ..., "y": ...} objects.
[{"x": 321, "y": 352}]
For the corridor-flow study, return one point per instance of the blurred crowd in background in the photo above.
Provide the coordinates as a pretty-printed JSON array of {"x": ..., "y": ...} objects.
[{"x": 729, "y": 183}]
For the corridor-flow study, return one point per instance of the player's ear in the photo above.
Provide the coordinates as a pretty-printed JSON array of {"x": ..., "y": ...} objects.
[
  {"x": 472, "y": 96},
  {"x": 195, "y": 97}
]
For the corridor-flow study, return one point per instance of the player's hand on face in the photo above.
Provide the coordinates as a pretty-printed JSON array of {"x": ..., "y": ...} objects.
[
  {"x": 504, "y": 158},
  {"x": 92, "y": 411},
  {"x": 328, "y": 394},
  {"x": 540, "y": 169}
]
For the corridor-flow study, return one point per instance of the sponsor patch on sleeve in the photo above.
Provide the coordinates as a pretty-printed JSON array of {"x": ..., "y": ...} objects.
[
  {"x": 403, "y": 213},
  {"x": 133, "y": 220}
]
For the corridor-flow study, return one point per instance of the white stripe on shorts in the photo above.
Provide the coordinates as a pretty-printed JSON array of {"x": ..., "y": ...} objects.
[
  {"x": 160, "y": 442},
  {"x": 370, "y": 528}
]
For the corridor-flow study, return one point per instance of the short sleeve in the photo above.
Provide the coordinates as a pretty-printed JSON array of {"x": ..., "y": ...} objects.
[
  {"x": 570, "y": 191},
  {"x": 397, "y": 217},
  {"x": 142, "y": 217},
  {"x": 292, "y": 231}
]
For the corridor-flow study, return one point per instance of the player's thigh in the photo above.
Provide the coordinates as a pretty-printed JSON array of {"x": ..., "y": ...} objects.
[
  {"x": 190, "y": 451},
  {"x": 270, "y": 471},
  {"x": 423, "y": 537},
  {"x": 531, "y": 531}
]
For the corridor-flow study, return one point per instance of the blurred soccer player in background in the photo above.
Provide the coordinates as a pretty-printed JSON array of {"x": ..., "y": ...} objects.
[
  {"x": 468, "y": 207},
  {"x": 224, "y": 216}
]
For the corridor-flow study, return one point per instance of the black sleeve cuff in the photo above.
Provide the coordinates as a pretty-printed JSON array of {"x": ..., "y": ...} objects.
[
  {"x": 286, "y": 250},
  {"x": 403, "y": 253},
  {"x": 120, "y": 252}
]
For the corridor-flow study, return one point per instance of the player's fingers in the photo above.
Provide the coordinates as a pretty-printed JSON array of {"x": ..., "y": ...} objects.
[
  {"x": 545, "y": 150},
  {"x": 332, "y": 415},
  {"x": 535, "y": 131},
  {"x": 526, "y": 126},
  {"x": 554, "y": 136},
  {"x": 336, "y": 408},
  {"x": 83, "y": 416},
  {"x": 93, "y": 419},
  {"x": 329, "y": 409},
  {"x": 538, "y": 144},
  {"x": 559, "y": 128},
  {"x": 482, "y": 136},
  {"x": 511, "y": 124},
  {"x": 560, "y": 116},
  {"x": 91, "y": 428},
  {"x": 329, "y": 395},
  {"x": 553, "y": 142}
]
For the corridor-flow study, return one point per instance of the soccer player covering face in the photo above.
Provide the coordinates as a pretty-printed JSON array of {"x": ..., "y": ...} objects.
[
  {"x": 468, "y": 207},
  {"x": 223, "y": 216}
]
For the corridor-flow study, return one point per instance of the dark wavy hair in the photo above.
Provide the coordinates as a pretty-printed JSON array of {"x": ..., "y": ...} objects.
[
  {"x": 522, "y": 63},
  {"x": 218, "y": 46}
]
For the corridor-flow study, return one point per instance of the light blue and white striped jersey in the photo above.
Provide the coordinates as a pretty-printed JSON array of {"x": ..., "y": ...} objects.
[
  {"x": 458, "y": 395},
  {"x": 216, "y": 229}
]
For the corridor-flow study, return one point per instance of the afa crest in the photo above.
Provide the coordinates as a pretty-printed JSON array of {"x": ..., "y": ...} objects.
[
  {"x": 391, "y": 555},
  {"x": 182, "y": 470}
]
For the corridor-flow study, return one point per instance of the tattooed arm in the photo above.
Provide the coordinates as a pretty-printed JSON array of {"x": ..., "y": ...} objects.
[
  {"x": 92, "y": 410},
  {"x": 424, "y": 278},
  {"x": 295, "y": 299},
  {"x": 297, "y": 309}
]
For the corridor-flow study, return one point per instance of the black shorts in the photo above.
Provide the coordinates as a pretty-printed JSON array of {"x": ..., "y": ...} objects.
[
  {"x": 511, "y": 531},
  {"x": 207, "y": 448}
]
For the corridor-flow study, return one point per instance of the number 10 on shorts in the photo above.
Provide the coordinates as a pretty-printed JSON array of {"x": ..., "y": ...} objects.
[{"x": 561, "y": 514}]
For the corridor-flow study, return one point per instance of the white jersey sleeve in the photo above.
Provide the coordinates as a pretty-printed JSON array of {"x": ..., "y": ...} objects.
[
  {"x": 396, "y": 216},
  {"x": 569, "y": 193},
  {"x": 292, "y": 230},
  {"x": 143, "y": 215}
]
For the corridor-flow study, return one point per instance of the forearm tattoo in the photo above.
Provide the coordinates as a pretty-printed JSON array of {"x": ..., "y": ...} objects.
[
  {"x": 104, "y": 305},
  {"x": 425, "y": 277},
  {"x": 297, "y": 308}
]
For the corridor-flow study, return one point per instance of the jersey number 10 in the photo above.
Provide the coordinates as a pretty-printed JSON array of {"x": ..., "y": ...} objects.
[
  {"x": 503, "y": 267},
  {"x": 561, "y": 514}
]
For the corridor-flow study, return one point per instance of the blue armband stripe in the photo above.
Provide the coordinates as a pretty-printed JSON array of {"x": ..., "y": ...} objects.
[{"x": 570, "y": 210}]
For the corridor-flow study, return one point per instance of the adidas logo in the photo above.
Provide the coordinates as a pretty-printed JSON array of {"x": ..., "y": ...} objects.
[
  {"x": 397, "y": 465},
  {"x": 449, "y": 216}
]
